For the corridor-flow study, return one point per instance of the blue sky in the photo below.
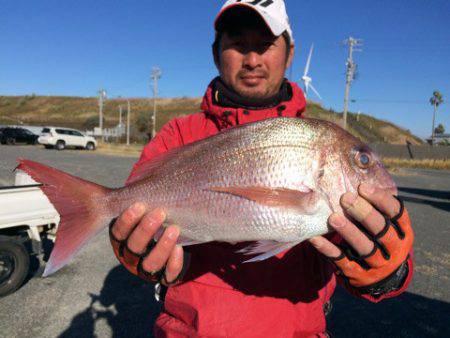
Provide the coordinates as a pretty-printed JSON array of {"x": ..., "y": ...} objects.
[{"x": 76, "y": 47}]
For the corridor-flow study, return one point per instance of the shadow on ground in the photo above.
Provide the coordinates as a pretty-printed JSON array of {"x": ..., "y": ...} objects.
[
  {"x": 443, "y": 196},
  {"x": 436, "y": 204},
  {"x": 126, "y": 303},
  {"x": 440, "y": 194},
  {"x": 128, "y": 306},
  {"x": 407, "y": 315}
]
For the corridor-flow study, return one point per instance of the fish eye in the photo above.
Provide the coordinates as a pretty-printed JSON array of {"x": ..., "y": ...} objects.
[{"x": 363, "y": 159}]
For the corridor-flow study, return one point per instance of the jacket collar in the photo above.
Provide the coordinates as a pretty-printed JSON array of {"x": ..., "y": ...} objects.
[{"x": 231, "y": 116}]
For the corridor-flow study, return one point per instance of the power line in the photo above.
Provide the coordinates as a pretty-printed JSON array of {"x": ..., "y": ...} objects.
[{"x": 391, "y": 101}]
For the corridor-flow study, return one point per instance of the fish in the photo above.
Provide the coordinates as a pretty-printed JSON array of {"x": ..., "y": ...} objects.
[{"x": 273, "y": 182}]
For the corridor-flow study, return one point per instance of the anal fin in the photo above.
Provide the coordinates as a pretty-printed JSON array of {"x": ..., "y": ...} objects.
[
  {"x": 186, "y": 241},
  {"x": 266, "y": 249},
  {"x": 182, "y": 240}
]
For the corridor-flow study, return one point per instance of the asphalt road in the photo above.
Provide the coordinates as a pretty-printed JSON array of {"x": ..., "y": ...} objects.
[{"x": 94, "y": 296}]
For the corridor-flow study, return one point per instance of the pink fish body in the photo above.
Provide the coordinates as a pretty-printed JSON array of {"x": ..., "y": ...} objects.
[{"x": 275, "y": 182}]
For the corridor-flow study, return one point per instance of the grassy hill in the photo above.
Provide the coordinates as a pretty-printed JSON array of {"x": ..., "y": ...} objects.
[{"x": 82, "y": 113}]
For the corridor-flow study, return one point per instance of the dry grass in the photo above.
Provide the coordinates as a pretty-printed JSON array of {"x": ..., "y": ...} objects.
[
  {"x": 134, "y": 150},
  {"x": 76, "y": 111},
  {"x": 367, "y": 128},
  {"x": 393, "y": 163}
]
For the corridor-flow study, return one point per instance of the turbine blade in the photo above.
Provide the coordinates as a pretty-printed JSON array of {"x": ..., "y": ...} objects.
[
  {"x": 308, "y": 62},
  {"x": 315, "y": 91},
  {"x": 306, "y": 88}
]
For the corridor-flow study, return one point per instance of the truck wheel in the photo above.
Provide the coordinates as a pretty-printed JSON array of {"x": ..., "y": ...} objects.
[
  {"x": 60, "y": 145},
  {"x": 14, "y": 266},
  {"x": 90, "y": 146}
]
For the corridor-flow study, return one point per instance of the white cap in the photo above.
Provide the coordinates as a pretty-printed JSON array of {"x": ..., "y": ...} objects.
[{"x": 273, "y": 12}]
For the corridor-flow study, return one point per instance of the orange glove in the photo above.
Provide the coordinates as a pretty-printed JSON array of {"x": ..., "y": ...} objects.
[
  {"x": 132, "y": 238},
  {"x": 132, "y": 261},
  {"x": 391, "y": 250}
]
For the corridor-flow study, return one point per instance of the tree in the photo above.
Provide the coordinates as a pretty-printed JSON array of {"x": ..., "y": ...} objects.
[
  {"x": 435, "y": 101},
  {"x": 439, "y": 129},
  {"x": 142, "y": 122},
  {"x": 91, "y": 122}
]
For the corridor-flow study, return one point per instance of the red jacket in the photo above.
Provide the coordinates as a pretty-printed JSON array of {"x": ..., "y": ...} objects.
[{"x": 282, "y": 296}]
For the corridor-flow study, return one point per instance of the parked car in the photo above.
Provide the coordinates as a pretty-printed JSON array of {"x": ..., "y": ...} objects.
[
  {"x": 10, "y": 135},
  {"x": 61, "y": 138}
]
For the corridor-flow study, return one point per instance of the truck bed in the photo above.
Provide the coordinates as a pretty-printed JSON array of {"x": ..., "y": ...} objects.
[{"x": 25, "y": 205}]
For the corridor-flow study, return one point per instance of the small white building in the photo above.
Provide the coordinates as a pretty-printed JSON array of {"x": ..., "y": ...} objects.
[{"x": 440, "y": 138}]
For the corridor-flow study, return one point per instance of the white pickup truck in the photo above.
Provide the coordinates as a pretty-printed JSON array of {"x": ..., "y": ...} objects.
[{"x": 26, "y": 219}]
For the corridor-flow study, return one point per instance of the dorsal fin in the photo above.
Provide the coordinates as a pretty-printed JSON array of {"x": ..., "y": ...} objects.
[
  {"x": 191, "y": 150},
  {"x": 222, "y": 142},
  {"x": 147, "y": 168},
  {"x": 172, "y": 156}
]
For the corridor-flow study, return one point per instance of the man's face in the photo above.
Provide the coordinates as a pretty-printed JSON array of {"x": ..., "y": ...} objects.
[{"x": 253, "y": 62}]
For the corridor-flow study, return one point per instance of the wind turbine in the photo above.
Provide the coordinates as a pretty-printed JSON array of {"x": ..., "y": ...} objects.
[{"x": 307, "y": 79}]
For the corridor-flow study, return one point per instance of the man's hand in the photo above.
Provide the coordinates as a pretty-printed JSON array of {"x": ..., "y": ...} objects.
[
  {"x": 380, "y": 244},
  {"x": 132, "y": 240}
]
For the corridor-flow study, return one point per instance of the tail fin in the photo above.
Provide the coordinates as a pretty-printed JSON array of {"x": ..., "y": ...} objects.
[{"x": 79, "y": 204}]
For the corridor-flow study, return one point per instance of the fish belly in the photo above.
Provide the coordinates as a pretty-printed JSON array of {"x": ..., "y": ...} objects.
[{"x": 234, "y": 219}]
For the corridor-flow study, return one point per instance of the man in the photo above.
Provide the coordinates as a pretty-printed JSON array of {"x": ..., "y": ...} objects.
[{"x": 209, "y": 292}]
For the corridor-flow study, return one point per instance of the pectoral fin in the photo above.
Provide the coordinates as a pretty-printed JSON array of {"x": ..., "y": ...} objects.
[{"x": 304, "y": 200}]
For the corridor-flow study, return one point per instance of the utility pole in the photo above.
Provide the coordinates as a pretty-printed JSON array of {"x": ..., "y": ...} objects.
[
  {"x": 120, "y": 115},
  {"x": 350, "y": 75},
  {"x": 155, "y": 76},
  {"x": 128, "y": 122},
  {"x": 434, "y": 119},
  {"x": 119, "y": 128},
  {"x": 101, "y": 98}
]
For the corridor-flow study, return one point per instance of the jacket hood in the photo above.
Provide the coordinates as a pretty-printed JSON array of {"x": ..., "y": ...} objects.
[{"x": 232, "y": 116}]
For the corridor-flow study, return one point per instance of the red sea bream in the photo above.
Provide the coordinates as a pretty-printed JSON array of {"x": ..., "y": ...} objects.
[{"x": 274, "y": 182}]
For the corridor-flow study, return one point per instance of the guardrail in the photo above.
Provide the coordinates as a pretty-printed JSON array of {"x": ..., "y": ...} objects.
[{"x": 418, "y": 152}]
